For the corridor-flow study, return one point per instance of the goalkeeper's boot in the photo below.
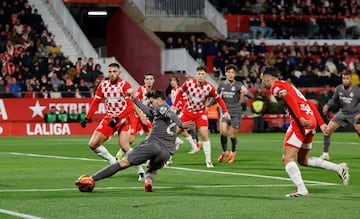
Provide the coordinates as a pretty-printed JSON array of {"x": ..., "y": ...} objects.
[{"x": 148, "y": 186}]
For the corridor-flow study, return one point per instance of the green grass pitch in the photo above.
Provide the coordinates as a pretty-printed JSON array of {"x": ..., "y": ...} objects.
[{"x": 37, "y": 175}]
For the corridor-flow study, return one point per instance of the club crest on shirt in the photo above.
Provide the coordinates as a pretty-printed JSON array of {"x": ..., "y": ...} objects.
[
  {"x": 351, "y": 94},
  {"x": 162, "y": 110}
]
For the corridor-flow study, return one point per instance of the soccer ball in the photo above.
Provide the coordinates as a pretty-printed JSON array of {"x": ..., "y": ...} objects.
[{"x": 85, "y": 183}]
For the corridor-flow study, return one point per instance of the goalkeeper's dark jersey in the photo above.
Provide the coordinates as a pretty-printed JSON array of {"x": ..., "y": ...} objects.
[
  {"x": 348, "y": 100},
  {"x": 164, "y": 125}
]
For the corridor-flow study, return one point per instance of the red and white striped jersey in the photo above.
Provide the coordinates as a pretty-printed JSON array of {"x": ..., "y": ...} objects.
[
  {"x": 198, "y": 94},
  {"x": 141, "y": 92},
  {"x": 183, "y": 99},
  {"x": 115, "y": 96}
]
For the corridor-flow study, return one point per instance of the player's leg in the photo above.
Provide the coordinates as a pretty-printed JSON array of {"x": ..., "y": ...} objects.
[
  {"x": 233, "y": 138},
  {"x": 111, "y": 169},
  {"x": 223, "y": 140},
  {"x": 204, "y": 132},
  {"x": 357, "y": 125},
  {"x": 156, "y": 162},
  {"x": 190, "y": 140},
  {"x": 100, "y": 135},
  {"x": 341, "y": 169},
  {"x": 106, "y": 172},
  {"x": 123, "y": 140},
  {"x": 194, "y": 134},
  {"x": 304, "y": 159},
  {"x": 293, "y": 171},
  {"x": 184, "y": 117},
  {"x": 292, "y": 143},
  {"x": 333, "y": 126}
]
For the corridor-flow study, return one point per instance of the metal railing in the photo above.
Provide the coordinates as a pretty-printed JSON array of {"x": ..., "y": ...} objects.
[{"x": 183, "y": 8}]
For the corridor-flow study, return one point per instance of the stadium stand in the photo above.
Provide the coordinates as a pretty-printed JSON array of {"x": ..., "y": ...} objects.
[{"x": 34, "y": 66}]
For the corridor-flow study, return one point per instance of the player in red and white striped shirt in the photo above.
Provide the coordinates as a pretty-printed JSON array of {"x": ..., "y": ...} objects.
[
  {"x": 198, "y": 91},
  {"x": 139, "y": 121},
  {"x": 119, "y": 106},
  {"x": 181, "y": 103},
  {"x": 304, "y": 117}
]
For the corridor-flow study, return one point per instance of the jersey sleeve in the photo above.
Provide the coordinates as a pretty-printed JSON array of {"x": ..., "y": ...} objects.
[
  {"x": 127, "y": 89},
  {"x": 139, "y": 93},
  {"x": 334, "y": 99},
  {"x": 280, "y": 93},
  {"x": 95, "y": 102},
  {"x": 317, "y": 115},
  {"x": 217, "y": 97},
  {"x": 179, "y": 94}
]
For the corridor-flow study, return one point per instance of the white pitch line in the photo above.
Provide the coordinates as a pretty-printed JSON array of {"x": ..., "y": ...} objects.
[
  {"x": 246, "y": 174},
  {"x": 159, "y": 187},
  {"x": 57, "y": 157},
  {"x": 17, "y": 214},
  {"x": 177, "y": 168}
]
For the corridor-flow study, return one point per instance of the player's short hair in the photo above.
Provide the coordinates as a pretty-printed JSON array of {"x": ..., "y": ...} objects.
[
  {"x": 156, "y": 94},
  {"x": 202, "y": 68},
  {"x": 231, "y": 66},
  {"x": 148, "y": 74},
  {"x": 271, "y": 71},
  {"x": 114, "y": 65}
]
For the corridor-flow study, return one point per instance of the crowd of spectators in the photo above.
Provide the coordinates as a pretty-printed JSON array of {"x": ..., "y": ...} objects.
[
  {"x": 32, "y": 64},
  {"x": 305, "y": 66},
  {"x": 303, "y": 7},
  {"x": 322, "y": 19}
]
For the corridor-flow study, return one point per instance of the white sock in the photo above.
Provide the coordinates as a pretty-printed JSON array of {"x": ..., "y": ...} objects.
[
  {"x": 207, "y": 150},
  {"x": 295, "y": 175},
  {"x": 101, "y": 151},
  {"x": 120, "y": 154},
  {"x": 191, "y": 142},
  {"x": 320, "y": 163},
  {"x": 178, "y": 141}
]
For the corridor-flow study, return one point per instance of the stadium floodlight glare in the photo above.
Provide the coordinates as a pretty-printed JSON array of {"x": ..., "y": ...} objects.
[{"x": 97, "y": 13}]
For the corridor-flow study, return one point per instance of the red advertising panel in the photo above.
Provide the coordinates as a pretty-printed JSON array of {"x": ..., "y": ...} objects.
[
  {"x": 25, "y": 117},
  {"x": 44, "y": 129},
  {"x": 33, "y": 110}
]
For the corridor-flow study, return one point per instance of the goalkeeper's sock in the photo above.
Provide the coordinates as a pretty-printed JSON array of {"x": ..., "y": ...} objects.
[
  {"x": 223, "y": 140},
  {"x": 207, "y": 150},
  {"x": 320, "y": 163},
  {"x": 295, "y": 175},
  {"x": 101, "y": 151},
  {"x": 107, "y": 172}
]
